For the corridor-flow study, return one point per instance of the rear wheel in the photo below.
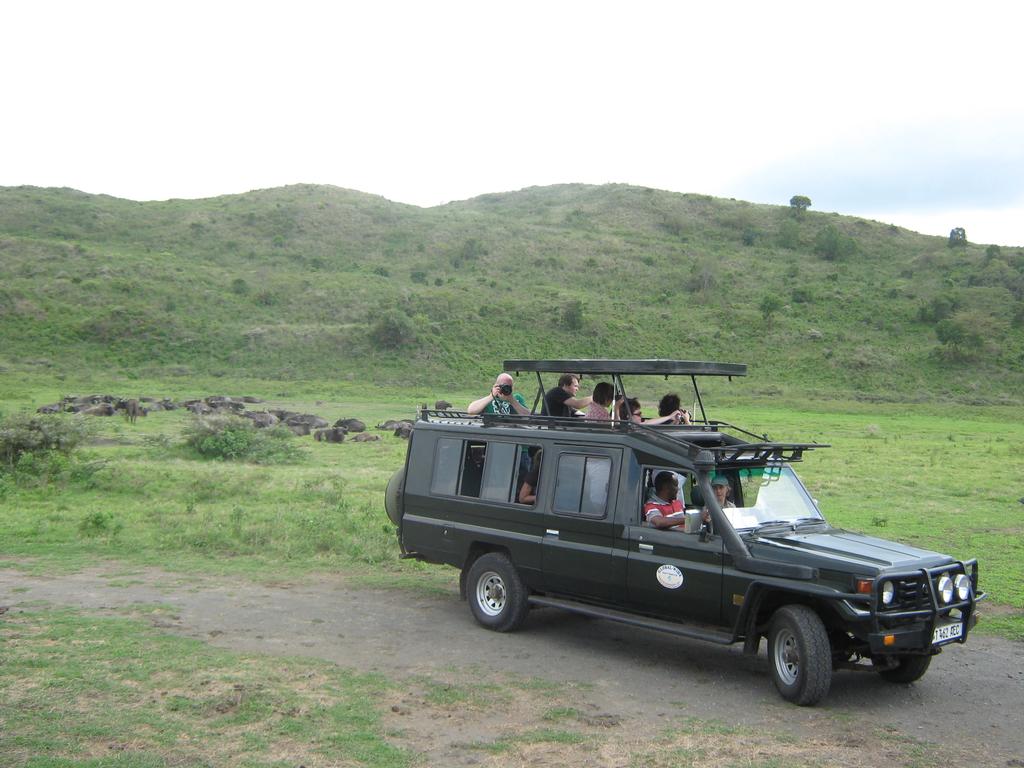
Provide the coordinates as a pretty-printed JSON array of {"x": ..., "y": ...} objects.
[
  {"x": 800, "y": 655},
  {"x": 907, "y": 669},
  {"x": 496, "y": 594},
  {"x": 392, "y": 494}
]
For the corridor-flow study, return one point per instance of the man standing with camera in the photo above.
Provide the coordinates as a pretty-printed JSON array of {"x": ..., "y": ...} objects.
[{"x": 501, "y": 400}]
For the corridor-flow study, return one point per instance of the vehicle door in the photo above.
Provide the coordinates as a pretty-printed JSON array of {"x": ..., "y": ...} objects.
[
  {"x": 579, "y": 500},
  {"x": 674, "y": 574}
]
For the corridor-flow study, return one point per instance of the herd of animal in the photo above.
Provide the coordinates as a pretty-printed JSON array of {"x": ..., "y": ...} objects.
[{"x": 299, "y": 423}]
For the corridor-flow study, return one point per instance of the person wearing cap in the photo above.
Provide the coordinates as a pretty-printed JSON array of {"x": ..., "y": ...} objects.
[
  {"x": 720, "y": 485},
  {"x": 500, "y": 400}
]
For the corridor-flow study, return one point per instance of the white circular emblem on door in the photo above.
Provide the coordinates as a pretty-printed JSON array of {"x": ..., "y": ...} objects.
[{"x": 670, "y": 577}]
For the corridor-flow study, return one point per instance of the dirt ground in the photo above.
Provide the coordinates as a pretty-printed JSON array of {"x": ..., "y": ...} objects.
[{"x": 971, "y": 702}]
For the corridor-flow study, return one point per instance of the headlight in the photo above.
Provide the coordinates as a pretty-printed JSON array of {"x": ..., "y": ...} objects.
[
  {"x": 945, "y": 588},
  {"x": 963, "y": 586},
  {"x": 888, "y": 593}
]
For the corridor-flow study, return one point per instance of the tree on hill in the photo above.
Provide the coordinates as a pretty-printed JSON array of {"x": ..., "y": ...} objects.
[
  {"x": 957, "y": 237},
  {"x": 799, "y": 204}
]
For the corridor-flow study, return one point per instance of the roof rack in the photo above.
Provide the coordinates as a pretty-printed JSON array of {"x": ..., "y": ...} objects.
[{"x": 763, "y": 451}]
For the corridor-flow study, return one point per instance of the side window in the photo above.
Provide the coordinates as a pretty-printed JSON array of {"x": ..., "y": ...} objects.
[
  {"x": 492, "y": 471},
  {"x": 447, "y": 458},
  {"x": 499, "y": 471},
  {"x": 581, "y": 485}
]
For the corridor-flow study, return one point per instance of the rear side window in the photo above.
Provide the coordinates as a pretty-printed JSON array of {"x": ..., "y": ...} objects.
[
  {"x": 479, "y": 469},
  {"x": 581, "y": 485}
]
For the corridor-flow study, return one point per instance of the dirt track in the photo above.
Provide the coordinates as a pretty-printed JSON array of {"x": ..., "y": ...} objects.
[{"x": 971, "y": 701}]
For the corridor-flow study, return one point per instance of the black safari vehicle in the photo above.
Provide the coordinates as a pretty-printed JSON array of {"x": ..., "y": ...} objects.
[{"x": 764, "y": 563}]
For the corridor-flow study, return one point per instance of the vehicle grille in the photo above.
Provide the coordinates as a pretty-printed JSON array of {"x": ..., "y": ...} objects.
[{"x": 911, "y": 595}]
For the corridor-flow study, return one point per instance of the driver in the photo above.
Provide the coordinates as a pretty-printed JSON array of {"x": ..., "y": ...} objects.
[{"x": 663, "y": 508}]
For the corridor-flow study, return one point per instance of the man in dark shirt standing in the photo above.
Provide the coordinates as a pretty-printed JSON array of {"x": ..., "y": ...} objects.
[{"x": 561, "y": 401}]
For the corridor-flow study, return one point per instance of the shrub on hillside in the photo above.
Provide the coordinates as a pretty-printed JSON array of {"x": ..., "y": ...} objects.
[
  {"x": 968, "y": 335},
  {"x": 233, "y": 438},
  {"x": 789, "y": 235},
  {"x": 37, "y": 435},
  {"x": 572, "y": 315},
  {"x": 938, "y": 308},
  {"x": 833, "y": 245},
  {"x": 392, "y": 330}
]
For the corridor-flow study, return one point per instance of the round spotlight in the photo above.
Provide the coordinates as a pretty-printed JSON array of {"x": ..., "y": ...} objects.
[
  {"x": 888, "y": 593},
  {"x": 945, "y": 588},
  {"x": 963, "y": 586}
]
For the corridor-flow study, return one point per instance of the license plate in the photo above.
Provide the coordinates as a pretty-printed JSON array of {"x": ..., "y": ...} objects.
[{"x": 947, "y": 632}]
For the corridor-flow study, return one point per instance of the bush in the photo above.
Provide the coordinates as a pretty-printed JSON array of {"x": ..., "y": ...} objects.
[
  {"x": 392, "y": 330},
  {"x": 967, "y": 335},
  {"x": 802, "y": 295},
  {"x": 833, "y": 245},
  {"x": 100, "y": 523},
  {"x": 37, "y": 435},
  {"x": 938, "y": 308},
  {"x": 232, "y": 438},
  {"x": 789, "y": 235},
  {"x": 572, "y": 315}
]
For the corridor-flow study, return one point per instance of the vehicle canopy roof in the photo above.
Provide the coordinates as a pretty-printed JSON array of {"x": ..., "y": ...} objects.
[
  {"x": 646, "y": 367},
  {"x": 616, "y": 369}
]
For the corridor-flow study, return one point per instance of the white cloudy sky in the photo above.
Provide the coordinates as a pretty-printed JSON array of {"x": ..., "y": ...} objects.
[{"x": 907, "y": 112}]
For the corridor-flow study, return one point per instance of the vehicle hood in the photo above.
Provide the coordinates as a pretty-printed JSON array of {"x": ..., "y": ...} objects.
[{"x": 843, "y": 549}]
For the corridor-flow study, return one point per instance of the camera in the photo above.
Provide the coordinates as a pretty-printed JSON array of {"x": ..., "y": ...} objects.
[{"x": 505, "y": 389}]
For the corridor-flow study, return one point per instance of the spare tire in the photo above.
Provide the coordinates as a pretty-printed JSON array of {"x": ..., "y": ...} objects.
[{"x": 392, "y": 496}]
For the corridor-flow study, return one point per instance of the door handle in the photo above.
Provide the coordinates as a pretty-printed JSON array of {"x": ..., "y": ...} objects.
[
  {"x": 551, "y": 532},
  {"x": 648, "y": 547}
]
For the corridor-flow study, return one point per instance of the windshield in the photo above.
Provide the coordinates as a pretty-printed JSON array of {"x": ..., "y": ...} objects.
[{"x": 771, "y": 494}]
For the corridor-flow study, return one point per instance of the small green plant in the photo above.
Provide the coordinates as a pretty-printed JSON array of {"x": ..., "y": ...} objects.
[{"x": 100, "y": 523}]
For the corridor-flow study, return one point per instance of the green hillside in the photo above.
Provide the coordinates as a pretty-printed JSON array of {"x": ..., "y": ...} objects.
[{"x": 320, "y": 283}]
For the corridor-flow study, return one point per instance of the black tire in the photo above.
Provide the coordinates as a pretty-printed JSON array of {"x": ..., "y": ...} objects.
[
  {"x": 800, "y": 655},
  {"x": 907, "y": 669},
  {"x": 392, "y": 496},
  {"x": 496, "y": 594}
]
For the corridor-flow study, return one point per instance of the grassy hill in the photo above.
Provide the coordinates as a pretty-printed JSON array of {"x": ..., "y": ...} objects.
[{"x": 320, "y": 283}]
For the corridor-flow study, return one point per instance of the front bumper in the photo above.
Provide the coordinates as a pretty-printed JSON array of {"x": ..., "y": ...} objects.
[{"x": 913, "y": 630}]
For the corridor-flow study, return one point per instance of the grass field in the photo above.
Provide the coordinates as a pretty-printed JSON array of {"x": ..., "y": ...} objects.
[
  {"x": 940, "y": 480},
  {"x": 113, "y": 691}
]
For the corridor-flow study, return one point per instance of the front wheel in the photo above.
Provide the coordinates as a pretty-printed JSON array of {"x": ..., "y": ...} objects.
[
  {"x": 496, "y": 594},
  {"x": 907, "y": 669},
  {"x": 800, "y": 655}
]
